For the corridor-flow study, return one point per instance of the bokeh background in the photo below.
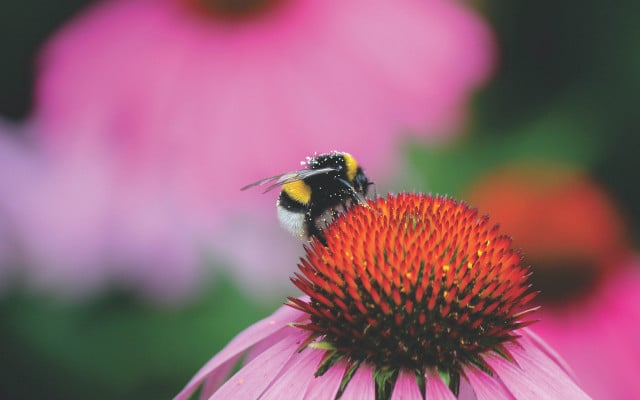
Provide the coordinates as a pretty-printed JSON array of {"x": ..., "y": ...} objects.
[{"x": 539, "y": 128}]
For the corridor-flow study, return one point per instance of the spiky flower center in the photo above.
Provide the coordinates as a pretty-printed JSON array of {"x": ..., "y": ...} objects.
[{"x": 413, "y": 282}]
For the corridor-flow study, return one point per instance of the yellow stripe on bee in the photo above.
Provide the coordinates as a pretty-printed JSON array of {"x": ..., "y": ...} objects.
[
  {"x": 298, "y": 191},
  {"x": 352, "y": 166}
]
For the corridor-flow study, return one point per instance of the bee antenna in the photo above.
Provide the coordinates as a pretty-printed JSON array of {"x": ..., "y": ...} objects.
[
  {"x": 361, "y": 200},
  {"x": 375, "y": 189}
]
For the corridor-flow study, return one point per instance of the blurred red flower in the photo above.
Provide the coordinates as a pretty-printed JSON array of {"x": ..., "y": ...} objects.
[{"x": 575, "y": 239}]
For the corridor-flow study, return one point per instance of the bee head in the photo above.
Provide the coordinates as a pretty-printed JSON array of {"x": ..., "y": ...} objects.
[{"x": 361, "y": 183}]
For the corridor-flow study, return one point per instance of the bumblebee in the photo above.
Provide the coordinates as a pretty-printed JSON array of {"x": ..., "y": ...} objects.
[{"x": 312, "y": 197}]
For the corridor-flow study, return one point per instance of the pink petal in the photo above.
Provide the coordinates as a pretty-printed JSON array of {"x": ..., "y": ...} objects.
[
  {"x": 261, "y": 346},
  {"x": 361, "y": 386},
  {"x": 245, "y": 339},
  {"x": 550, "y": 352},
  {"x": 406, "y": 387},
  {"x": 486, "y": 387},
  {"x": 602, "y": 330},
  {"x": 296, "y": 376},
  {"x": 327, "y": 385},
  {"x": 436, "y": 389},
  {"x": 466, "y": 390},
  {"x": 535, "y": 376},
  {"x": 215, "y": 379},
  {"x": 251, "y": 381}
]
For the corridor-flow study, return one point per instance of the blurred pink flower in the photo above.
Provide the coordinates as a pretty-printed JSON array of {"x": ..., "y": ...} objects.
[
  {"x": 151, "y": 114},
  {"x": 574, "y": 237},
  {"x": 71, "y": 229},
  {"x": 413, "y": 297},
  {"x": 175, "y": 90},
  {"x": 599, "y": 336}
]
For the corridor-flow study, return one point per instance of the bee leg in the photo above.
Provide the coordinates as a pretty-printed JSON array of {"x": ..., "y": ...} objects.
[
  {"x": 312, "y": 228},
  {"x": 321, "y": 238}
]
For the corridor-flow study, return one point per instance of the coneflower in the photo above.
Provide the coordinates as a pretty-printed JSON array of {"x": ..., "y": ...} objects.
[{"x": 412, "y": 297}]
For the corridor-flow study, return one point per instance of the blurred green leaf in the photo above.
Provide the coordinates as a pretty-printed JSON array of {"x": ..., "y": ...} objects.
[
  {"x": 116, "y": 347},
  {"x": 558, "y": 137}
]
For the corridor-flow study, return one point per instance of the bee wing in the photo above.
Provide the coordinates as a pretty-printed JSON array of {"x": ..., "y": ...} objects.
[
  {"x": 262, "y": 181},
  {"x": 288, "y": 178}
]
